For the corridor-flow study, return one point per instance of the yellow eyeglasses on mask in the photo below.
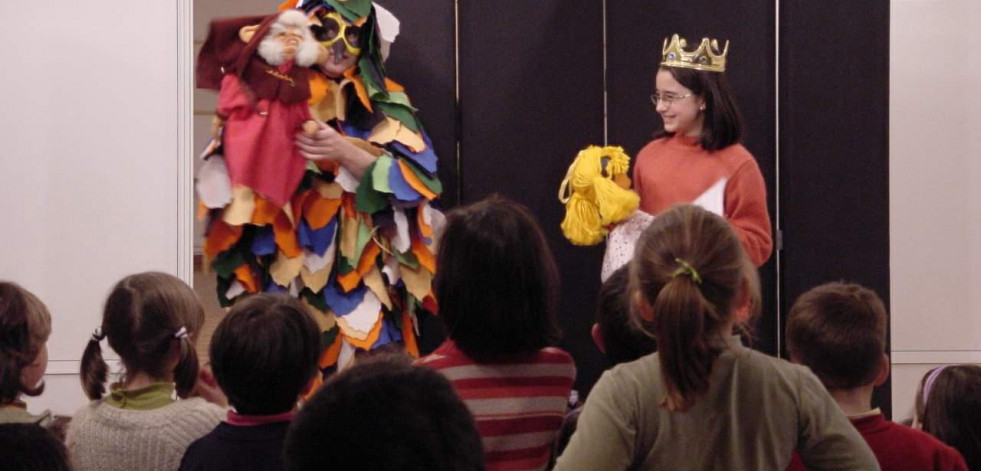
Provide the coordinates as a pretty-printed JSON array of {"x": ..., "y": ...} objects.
[{"x": 332, "y": 27}]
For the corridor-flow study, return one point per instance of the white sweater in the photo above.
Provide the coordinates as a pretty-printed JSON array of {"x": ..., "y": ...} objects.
[{"x": 103, "y": 437}]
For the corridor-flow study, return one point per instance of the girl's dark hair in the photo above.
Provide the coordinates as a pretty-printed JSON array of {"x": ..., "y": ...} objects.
[
  {"x": 264, "y": 352},
  {"x": 142, "y": 317},
  {"x": 25, "y": 325},
  {"x": 29, "y": 447},
  {"x": 623, "y": 341},
  {"x": 723, "y": 124},
  {"x": 952, "y": 410},
  {"x": 689, "y": 309},
  {"x": 413, "y": 411},
  {"x": 496, "y": 281}
]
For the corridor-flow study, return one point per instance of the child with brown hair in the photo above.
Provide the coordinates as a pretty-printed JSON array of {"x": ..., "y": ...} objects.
[
  {"x": 25, "y": 325},
  {"x": 497, "y": 286},
  {"x": 949, "y": 408},
  {"x": 838, "y": 330},
  {"x": 149, "y": 321},
  {"x": 703, "y": 400},
  {"x": 263, "y": 353}
]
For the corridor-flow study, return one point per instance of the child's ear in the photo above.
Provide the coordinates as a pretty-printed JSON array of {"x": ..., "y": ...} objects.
[
  {"x": 598, "y": 338},
  {"x": 639, "y": 304},
  {"x": 883, "y": 371},
  {"x": 743, "y": 299}
]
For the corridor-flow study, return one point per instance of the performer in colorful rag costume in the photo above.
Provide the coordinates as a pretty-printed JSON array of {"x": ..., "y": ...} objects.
[{"x": 354, "y": 236}]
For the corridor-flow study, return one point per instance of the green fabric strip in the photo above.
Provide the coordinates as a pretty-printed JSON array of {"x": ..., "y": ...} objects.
[
  {"x": 154, "y": 396},
  {"x": 379, "y": 174}
]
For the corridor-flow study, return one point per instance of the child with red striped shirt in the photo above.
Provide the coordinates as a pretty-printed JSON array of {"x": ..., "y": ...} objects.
[{"x": 496, "y": 284}]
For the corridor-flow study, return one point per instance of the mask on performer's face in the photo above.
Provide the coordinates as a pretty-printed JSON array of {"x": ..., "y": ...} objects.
[{"x": 340, "y": 38}]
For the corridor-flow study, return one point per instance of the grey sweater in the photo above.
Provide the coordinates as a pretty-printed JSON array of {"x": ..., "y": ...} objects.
[
  {"x": 103, "y": 437},
  {"x": 757, "y": 410}
]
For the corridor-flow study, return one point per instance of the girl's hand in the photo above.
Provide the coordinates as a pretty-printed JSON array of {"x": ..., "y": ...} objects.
[{"x": 207, "y": 388}]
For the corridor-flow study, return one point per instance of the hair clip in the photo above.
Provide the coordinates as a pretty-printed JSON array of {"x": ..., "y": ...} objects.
[
  {"x": 98, "y": 335},
  {"x": 181, "y": 333},
  {"x": 688, "y": 270},
  {"x": 928, "y": 385}
]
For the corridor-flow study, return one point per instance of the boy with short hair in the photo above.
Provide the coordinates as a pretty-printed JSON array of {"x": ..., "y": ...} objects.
[
  {"x": 613, "y": 333},
  {"x": 263, "y": 354},
  {"x": 838, "y": 330},
  {"x": 383, "y": 414}
]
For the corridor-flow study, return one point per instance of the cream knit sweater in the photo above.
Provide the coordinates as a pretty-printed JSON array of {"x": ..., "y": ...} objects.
[{"x": 103, "y": 437}]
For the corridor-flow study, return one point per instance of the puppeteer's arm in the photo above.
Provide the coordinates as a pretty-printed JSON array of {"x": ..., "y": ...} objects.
[{"x": 328, "y": 144}]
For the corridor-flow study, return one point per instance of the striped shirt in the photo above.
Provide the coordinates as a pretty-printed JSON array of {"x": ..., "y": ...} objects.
[{"x": 518, "y": 405}]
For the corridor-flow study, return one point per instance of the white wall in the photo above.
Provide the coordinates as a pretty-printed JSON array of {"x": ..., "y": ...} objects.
[
  {"x": 95, "y": 126},
  {"x": 935, "y": 189}
]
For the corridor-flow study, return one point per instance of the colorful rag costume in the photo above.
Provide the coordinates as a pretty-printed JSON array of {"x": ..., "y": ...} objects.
[{"x": 359, "y": 252}]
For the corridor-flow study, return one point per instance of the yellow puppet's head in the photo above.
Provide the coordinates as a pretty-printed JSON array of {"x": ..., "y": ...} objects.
[{"x": 596, "y": 193}]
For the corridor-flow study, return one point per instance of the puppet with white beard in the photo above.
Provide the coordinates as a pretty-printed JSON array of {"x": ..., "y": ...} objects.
[{"x": 262, "y": 98}]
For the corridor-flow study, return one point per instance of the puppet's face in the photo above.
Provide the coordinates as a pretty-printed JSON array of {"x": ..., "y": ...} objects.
[
  {"x": 289, "y": 39},
  {"x": 341, "y": 39}
]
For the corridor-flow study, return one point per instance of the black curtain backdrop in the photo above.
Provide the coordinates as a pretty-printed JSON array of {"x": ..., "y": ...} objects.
[
  {"x": 834, "y": 147},
  {"x": 531, "y": 96}
]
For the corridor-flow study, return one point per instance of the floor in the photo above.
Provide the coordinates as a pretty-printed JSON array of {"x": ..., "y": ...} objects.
[{"x": 204, "y": 286}]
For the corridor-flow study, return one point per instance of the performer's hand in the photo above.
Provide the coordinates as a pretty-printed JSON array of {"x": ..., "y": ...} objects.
[
  {"x": 216, "y": 125},
  {"x": 207, "y": 388},
  {"x": 328, "y": 144}
]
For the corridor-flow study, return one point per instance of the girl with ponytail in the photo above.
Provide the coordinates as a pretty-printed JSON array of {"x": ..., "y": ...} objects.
[
  {"x": 148, "y": 418},
  {"x": 703, "y": 400}
]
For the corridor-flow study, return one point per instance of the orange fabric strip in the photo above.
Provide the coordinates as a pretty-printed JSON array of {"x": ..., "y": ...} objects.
[
  {"x": 370, "y": 339},
  {"x": 329, "y": 357},
  {"x": 368, "y": 257},
  {"x": 220, "y": 238},
  {"x": 202, "y": 211},
  {"x": 318, "y": 88},
  {"x": 244, "y": 274},
  {"x": 296, "y": 204},
  {"x": 285, "y": 236},
  {"x": 409, "y": 336},
  {"x": 349, "y": 280},
  {"x": 359, "y": 88},
  {"x": 265, "y": 211},
  {"x": 288, "y": 4},
  {"x": 319, "y": 211},
  {"x": 425, "y": 229},
  {"x": 392, "y": 86},
  {"x": 414, "y": 181},
  {"x": 426, "y": 258}
]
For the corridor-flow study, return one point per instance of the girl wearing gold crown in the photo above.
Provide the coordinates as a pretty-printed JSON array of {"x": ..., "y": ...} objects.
[{"x": 697, "y": 157}]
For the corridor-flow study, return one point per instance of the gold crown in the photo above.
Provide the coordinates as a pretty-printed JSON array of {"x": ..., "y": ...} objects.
[{"x": 706, "y": 57}]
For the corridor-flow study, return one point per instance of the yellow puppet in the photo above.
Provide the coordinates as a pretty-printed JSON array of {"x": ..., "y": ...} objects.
[{"x": 596, "y": 193}]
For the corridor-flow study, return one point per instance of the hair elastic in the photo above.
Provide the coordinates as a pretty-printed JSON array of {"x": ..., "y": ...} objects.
[
  {"x": 181, "y": 333},
  {"x": 928, "y": 385},
  {"x": 98, "y": 335},
  {"x": 688, "y": 270}
]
